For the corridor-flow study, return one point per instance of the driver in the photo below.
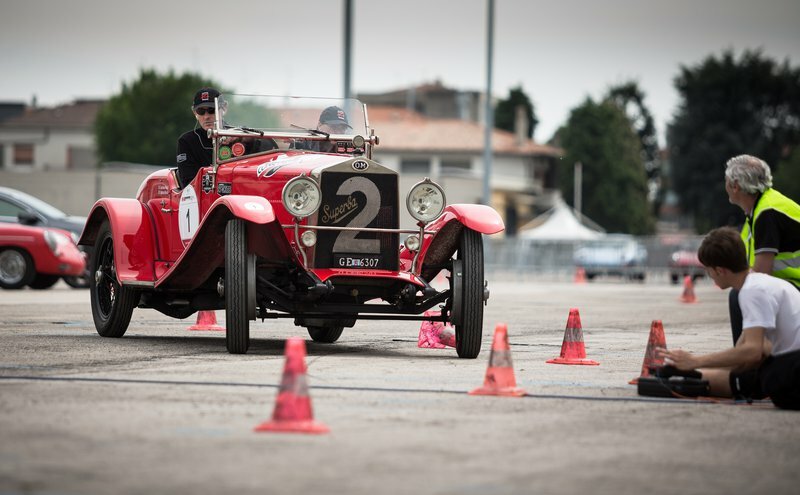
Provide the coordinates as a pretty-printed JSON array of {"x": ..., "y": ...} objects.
[
  {"x": 195, "y": 147},
  {"x": 332, "y": 120}
]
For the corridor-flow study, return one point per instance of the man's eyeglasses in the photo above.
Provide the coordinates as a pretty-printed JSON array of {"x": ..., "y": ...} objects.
[{"x": 205, "y": 110}]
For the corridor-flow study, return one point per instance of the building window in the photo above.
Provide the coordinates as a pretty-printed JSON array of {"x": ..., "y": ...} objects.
[
  {"x": 23, "y": 154},
  {"x": 456, "y": 167},
  {"x": 415, "y": 167}
]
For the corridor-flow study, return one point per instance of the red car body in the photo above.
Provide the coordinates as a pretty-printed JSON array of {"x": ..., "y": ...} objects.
[
  {"x": 227, "y": 240},
  {"x": 36, "y": 256},
  {"x": 684, "y": 263}
]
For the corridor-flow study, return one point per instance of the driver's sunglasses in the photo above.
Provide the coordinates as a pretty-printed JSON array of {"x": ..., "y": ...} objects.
[{"x": 205, "y": 110}]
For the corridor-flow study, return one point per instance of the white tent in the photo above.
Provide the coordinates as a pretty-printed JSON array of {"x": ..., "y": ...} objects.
[{"x": 558, "y": 224}]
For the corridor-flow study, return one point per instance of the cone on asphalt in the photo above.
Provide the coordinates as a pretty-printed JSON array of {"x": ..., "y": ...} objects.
[
  {"x": 292, "y": 412},
  {"x": 436, "y": 334},
  {"x": 207, "y": 320},
  {"x": 651, "y": 358},
  {"x": 573, "y": 350},
  {"x": 499, "y": 378},
  {"x": 688, "y": 290},
  {"x": 580, "y": 275}
]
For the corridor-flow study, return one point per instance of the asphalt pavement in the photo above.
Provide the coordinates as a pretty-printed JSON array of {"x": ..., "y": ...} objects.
[{"x": 168, "y": 410}]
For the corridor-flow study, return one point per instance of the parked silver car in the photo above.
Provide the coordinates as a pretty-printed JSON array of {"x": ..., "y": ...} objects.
[{"x": 615, "y": 254}]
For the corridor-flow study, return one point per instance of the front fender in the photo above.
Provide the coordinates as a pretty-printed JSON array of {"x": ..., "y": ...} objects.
[
  {"x": 440, "y": 246},
  {"x": 481, "y": 218},
  {"x": 253, "y": 209},
  {"x": 132, "y": 233},
  {"x": 206, "y": 251}
]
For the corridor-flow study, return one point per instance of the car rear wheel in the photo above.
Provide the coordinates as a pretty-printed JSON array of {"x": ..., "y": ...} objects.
[
  {"x": 325, "y": 335},
  {"x": 77, "y": 282},
  {"x": 239, "y": 287},
  {"x": 43, "y": 281},
  {"x": 112, "y": 303},
  {"x": 16, "y": 268},
  {"x": 467, "y": 286}
]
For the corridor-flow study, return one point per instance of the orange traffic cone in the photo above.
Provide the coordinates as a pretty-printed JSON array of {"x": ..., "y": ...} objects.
[
  {"x": 688, "y": 290},
  {"x": 572, "y": 349},
  {"x": 207, "y": 320},
  {"x": 293, "y": 407},
  {"x": 651, "y": 358},
  {"x": 499, "y": 378},
  {"x": 580, "y": 275}
]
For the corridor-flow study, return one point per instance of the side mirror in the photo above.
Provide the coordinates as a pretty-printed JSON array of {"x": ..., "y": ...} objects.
[{"x": 27, "y": 218}]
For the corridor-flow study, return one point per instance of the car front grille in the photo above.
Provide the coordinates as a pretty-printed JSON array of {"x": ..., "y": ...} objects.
[{"x": 358, "y": 201}]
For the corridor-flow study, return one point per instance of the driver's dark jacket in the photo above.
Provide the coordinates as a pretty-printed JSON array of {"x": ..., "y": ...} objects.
[{"x": 194, "y": 153}]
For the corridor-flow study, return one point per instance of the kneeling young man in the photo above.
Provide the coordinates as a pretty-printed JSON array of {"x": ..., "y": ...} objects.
[{"x": 765, "y": 362}]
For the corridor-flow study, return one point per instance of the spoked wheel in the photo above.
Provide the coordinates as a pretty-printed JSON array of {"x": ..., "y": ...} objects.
[
  {"x": 466, "y": 284},
  {"x": 240, "y": 287},
  {"x": 16, "y": 268},
  {"x": 112, "y": 303},
  {"x": 325, "y": 335}
]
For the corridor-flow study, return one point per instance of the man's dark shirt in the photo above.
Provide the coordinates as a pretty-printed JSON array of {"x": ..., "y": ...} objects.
[
  {"x": 775, "y": 232},
  {"x": 194, "y": 152}
]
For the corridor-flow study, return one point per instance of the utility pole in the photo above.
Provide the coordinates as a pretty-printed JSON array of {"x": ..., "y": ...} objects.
[
  {"x": 489, "y": 123},
  {"x": 577, "y": 194},
  {"x": 348, "y": 43}
]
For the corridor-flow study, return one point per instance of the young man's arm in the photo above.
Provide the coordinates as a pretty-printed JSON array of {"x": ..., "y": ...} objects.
[
  {"x": 748, "y": 353},
  {"x": 763, "y": 263}
]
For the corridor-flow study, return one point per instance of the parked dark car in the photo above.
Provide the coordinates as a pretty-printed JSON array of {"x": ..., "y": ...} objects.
[{"x": 20, "y": 207}]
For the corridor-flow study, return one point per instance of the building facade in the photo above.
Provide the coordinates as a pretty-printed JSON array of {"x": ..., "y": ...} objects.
[{"x": 57, "y": 138}]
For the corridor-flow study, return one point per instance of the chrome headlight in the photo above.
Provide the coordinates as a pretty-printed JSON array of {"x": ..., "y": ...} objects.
[
  {"x": 426, "y": 201},
  {"x": 301, "y": 196},
  {"x": 55, "y": 240},
  {"x": 412, "y": 242}
]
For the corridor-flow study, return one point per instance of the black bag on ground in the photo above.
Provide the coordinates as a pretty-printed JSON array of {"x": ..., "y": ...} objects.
[{"x": 668, "y": 381}]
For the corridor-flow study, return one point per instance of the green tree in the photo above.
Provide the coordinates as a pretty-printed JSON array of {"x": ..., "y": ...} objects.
[
  {"x": 506, "y": 111},
  {"x": 630, "y": 98},
  {"x": 729, "y": 107},
  {"x": 787, "y": 178},
  {"x": 142, "y": 123},
  {"x": 600, "y": 137}
]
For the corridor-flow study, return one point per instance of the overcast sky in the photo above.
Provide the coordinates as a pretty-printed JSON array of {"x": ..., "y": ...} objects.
[{"x": 559, "y": 51}]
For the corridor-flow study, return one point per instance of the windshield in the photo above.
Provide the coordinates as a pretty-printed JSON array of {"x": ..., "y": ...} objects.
[{"x": 293, "y": 114}]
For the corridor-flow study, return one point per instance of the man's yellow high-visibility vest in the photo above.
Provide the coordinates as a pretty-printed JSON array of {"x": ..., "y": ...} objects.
[{"x": 787, "y": 264}]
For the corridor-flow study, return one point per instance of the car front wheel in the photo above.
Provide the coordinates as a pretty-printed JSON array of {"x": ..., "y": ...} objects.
[
  {"x": 112, "y": 303},
  {"x": 467, "y": 287},
  {"x": 16, "y": 268},
  {"x": 238, "y": 286}
]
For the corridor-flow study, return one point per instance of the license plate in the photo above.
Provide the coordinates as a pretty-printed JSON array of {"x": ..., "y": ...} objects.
[{"x": 349, "y": 261}]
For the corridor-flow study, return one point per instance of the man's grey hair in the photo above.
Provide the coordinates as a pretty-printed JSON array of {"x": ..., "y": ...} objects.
[{"x": 752, "y": 174}]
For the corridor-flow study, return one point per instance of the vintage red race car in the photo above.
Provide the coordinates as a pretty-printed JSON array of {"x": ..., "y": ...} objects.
[
  {"x": 290, "y": 221},
  {"x": 36, "y": 256}
]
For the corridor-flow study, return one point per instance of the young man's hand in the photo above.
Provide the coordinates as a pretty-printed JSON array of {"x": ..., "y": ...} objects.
[{"x": 679, "y": 358}]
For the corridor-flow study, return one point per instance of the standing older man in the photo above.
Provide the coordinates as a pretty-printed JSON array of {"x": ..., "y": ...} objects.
[{"x": 771, "y": 232}]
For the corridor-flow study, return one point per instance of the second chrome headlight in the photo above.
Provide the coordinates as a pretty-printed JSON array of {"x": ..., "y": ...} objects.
[
  {"x": 301, "y": 196},
  {"x": 426, "y": 201}
]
